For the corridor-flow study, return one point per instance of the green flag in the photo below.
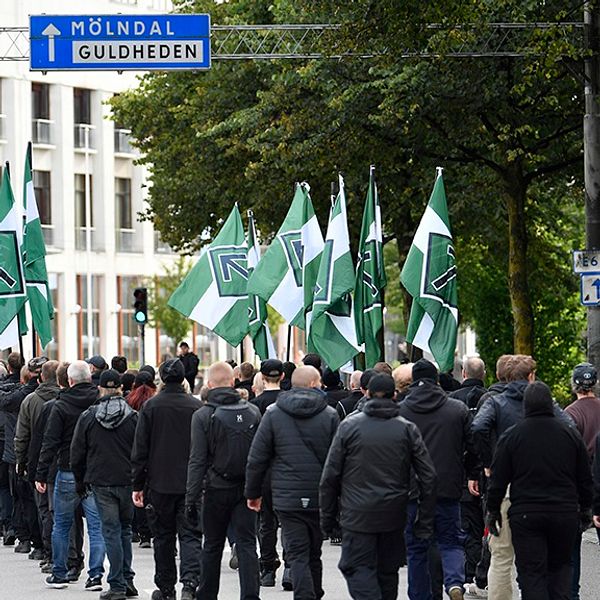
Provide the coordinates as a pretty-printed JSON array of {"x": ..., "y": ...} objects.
[
  {"x": 331, "y": 327},
  {"x": 429, "y": 275},
  {"x": 12, "y": 280},
  {"x": 286, "y": 274},
  {"x": 370, "y": 279},
  {"x": 257, "y": 307},
  {"x": 214, "y": 293},
  {"x": 34, "y": 260}
]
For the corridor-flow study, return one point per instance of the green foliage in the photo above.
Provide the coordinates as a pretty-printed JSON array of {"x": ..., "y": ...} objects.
[
  {"x": 162, "y": 316},
  {"x": 245, "y": 131}
]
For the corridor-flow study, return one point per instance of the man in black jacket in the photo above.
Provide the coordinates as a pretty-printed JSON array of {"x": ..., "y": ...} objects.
[
  {"x": 190, "y": 364},
  {"x": 222, "y": 431},
  {"x": 538, "y": 454},
  {"x": 159, "y": 462},
  {"x": 348, "y": 403},
  {"x": 368, "y": 469},
  {"x": 101, "y": 458},
  {"x": 57, "y": 440},
  {"x": 293, "y": 438},
  {"x": 445, "y": 425}
]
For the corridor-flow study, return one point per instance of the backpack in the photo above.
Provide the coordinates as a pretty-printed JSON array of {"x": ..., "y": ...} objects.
[{"x": 231, "y": 431}]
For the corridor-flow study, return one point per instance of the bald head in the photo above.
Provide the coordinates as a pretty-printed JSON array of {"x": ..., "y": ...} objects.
[
  {"x": 355, "y": 380},
  {"x": 306, "y": 377},
  {"x": 402, "y": 376},
  {"x": 473, "y": 368},
  {"x": 220, "y": 374}
]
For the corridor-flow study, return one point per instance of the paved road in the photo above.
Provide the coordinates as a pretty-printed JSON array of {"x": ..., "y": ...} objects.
[{"x": 20, "y": 579}]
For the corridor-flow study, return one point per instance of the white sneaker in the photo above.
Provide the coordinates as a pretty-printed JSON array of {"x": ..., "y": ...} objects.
[{"x": 472, "y": 591}]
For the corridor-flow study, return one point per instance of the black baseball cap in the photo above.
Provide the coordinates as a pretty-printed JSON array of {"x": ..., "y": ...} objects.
[
  {"x": 110, "y": 379},
  {"x": 97, "y": 361},
  {"x": 382, "y": 386},
  {"x": 271, "y": 367},
  {"x": 35, "y": 364},
  {"x": 585, "y": 374}
]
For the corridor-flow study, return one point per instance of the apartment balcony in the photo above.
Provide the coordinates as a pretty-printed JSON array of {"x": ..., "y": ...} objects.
[
  {"x": 128, "y": 240},
  {"x": 84, "y": 135},
  {"x": 41, "y": 131},
  {"x": 96, "y": 241},
  {"x": 161, "y": 247},
  {"x": 48, "y": 233},
  {"x": 122, "y": 141}
]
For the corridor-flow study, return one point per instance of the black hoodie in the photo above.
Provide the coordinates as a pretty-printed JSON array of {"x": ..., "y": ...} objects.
[
  {"x": 102, "y": 442},
  {"x": 61, "y": 424},
  {"x": 445, "y": 426},
  {"x": 293, "y": 437}
]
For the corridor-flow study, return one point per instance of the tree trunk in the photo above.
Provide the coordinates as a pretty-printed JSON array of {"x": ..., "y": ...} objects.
[{"x": 518, "y": 284}]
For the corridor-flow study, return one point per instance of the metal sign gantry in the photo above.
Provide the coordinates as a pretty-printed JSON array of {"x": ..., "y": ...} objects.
[{"x": 312, "y": 41}]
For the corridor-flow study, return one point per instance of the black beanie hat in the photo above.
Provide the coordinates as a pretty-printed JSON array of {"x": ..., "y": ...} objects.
[
  {"x": 172, "y": 371},
  {"x": 149, "y": 369},
  {"x": 382, "y": 386},
  {"x": 537, "y": 399},
  {"x": 424, "y": 369},
  {"x": 331, "y": 379}
]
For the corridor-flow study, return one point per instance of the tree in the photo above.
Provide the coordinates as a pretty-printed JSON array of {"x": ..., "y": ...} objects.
[{"x": 162, "y": 316}]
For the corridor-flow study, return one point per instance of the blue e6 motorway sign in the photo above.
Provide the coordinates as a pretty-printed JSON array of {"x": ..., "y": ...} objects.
[{"x": 119, "y": 42}]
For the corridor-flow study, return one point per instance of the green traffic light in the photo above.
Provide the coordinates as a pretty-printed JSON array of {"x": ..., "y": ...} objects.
[{"x": 140, "y": 317}]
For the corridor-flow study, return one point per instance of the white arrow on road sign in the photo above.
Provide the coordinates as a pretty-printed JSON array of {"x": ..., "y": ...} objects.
[{"x": 51, "y": 31}]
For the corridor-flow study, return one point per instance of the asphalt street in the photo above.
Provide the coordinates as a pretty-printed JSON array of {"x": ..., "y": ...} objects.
[{"x": 20, "y": 578}]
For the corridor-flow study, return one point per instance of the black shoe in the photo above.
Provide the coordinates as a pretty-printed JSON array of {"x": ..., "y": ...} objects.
[
  {"x": 135, "y": 538},
  {"x": 267, "y": 579},
  {"x": 23, "y": 547},
  {"x": 36, "y": 554},
  {"x": 145, "y": 543},
  {"x": 335, "y": 541},
  {"x": 160, "y": 595},
  {"x": 47, "y": 568},
  {"x": 93, "y": 585},
  {"x": 112, "y": 595},
  {"x": 131, "y": 590},
  {"x": 56, "y": 582},
  {"x": 9, "y": 539},
  {"x": 188, "y": 593},
  {"x": 73, "y": 574},
  {"x": 286, "y": 581}
]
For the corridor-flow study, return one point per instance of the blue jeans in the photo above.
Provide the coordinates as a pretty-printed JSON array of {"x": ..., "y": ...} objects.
[
  {"x": 450, "y": 541},
  {"x": 66, "y": 501},
  {"x": 116, "y": 514}
]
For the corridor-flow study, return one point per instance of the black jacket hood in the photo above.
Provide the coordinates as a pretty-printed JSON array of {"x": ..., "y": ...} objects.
[
  {"x": 112, "y": 411},
  {"x": 515, "y": 390},
  {"x": 82, "y": 395},
  {"x": 302, "y": 402},
  {"x": 381, "y": 408},
  {"x": 223, "y": 395},
  {"x": 425, "y": 396},
  {"x": 47, "y": 390}
]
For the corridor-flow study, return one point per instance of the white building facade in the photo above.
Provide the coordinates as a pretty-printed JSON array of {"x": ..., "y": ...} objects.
[{"x": 76, "y": 146}]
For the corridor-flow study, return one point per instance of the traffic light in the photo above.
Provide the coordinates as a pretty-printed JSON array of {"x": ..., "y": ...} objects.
[{"x": 140, "y": 306}]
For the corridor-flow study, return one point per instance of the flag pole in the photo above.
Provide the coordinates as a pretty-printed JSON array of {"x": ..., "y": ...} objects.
[
  {"x": 289, "y": 343},
  {"x": 33, "y": 332}
]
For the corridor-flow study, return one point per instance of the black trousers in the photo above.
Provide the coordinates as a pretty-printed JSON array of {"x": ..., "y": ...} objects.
[
  {"x": 543, "y": 543},
  {"x": 45, "y": 520},
  {"x": 267, "y": 534},
  {"x": 370, "y": 563},
  {"x": 303, "y": 541},
  {"x": 6, "y": 503},
  {"x": 472, "y": 523},
  {"x": 24, "y": 515},
  {"x": 166, "y": 515},
  {"x": 224, "y": 508},
  {"x": 140, "y": 523},
  {"x": 76, "y": 557}
]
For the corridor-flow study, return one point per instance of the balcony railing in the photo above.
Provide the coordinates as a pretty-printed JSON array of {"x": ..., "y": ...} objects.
[
  {"x": 41, "y": 131},
  {"x": 84, "y": 136},
  {"x": 48, "y": 233},
  {"x": 128, "y": 240},
  {"x": 161, "y": 247},
  {"x": 122, "y": 138},
  {"x": 2, "y": 127},
  {"x": 96, "y": 242}
]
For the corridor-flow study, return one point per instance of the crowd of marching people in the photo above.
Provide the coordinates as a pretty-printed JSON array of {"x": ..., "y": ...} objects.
[{"x": 477, "y": 491}]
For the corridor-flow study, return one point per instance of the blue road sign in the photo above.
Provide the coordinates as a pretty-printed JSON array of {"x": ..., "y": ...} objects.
[
  {"x": 119, "y": 42},
  {"x": 590, "y": 289}
]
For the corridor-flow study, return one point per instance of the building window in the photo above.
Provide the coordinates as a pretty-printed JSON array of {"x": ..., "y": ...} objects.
[
  {"x": 43, "y": 196},
  {"x": 129, "y": 340},
  {"x": 80, "y": 216},
  {"x": 123, "y": 218},
  {"x": 40, "y": 112},
  {"x": 52, "y": 349},
  {"x": 83, "y": 347},
  {"x": 2, "y": 116},
  {"x": 82, "y": 106}
]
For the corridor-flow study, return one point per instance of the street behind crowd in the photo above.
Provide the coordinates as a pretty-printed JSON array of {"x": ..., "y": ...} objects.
[{"x": 20, "y": 578}]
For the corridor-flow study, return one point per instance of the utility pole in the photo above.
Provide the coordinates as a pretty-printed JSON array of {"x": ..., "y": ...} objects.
[{"x": 591, "y": 145}]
